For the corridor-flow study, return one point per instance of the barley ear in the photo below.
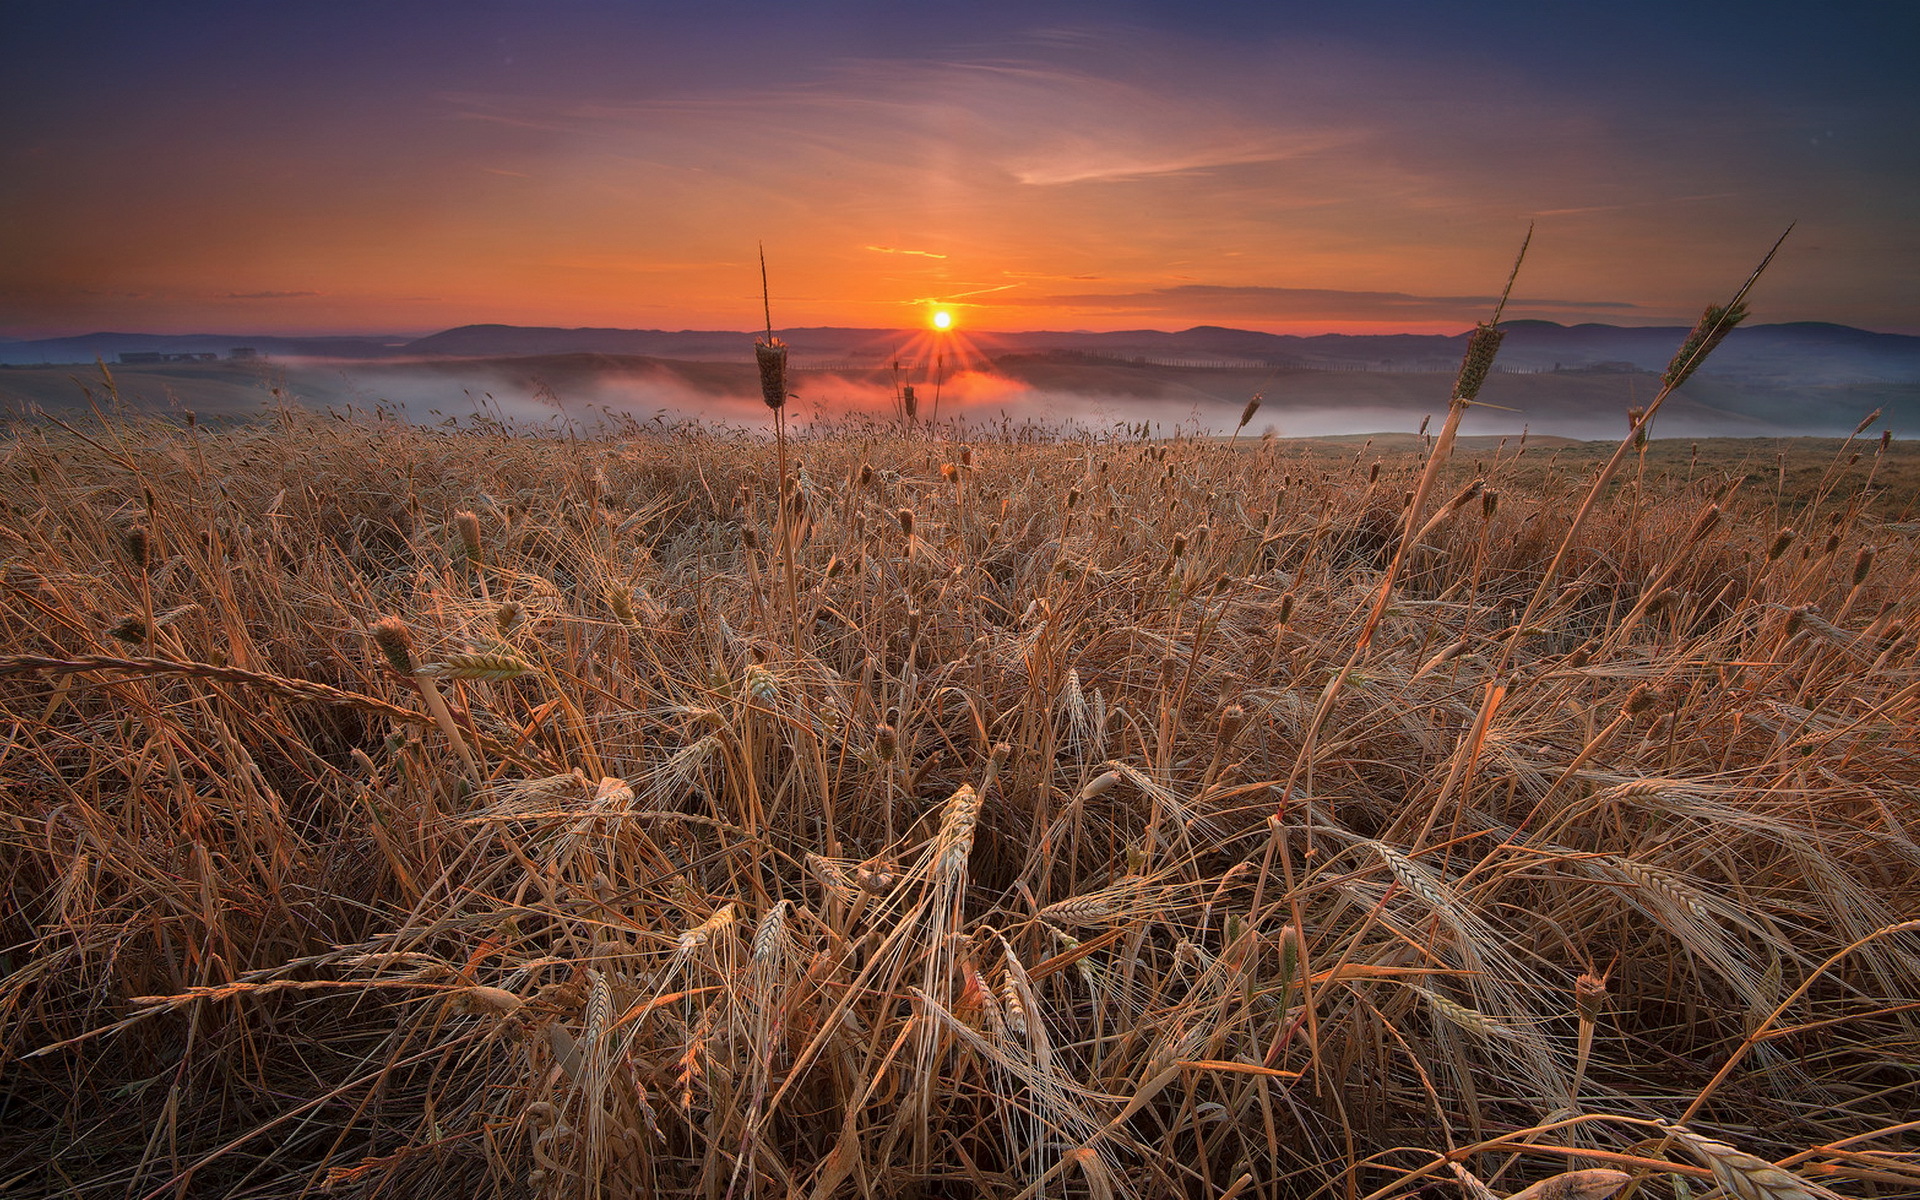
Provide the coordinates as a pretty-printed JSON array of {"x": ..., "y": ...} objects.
[
  {"x": 1746, "y": 1177},
  {"x": 1597, "y": 1183}
]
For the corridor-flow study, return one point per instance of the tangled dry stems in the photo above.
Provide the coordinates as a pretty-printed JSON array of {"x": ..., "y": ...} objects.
[{"x": 1051, "y": 837}]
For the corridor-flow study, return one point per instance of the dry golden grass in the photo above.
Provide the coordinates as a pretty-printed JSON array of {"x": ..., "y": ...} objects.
[{"x": 1073, "y": 818}]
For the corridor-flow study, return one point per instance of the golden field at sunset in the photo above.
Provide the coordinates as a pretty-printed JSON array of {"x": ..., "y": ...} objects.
[
  {"x": 1099, "y": 600},
  {"x": 472, "y": 811}
]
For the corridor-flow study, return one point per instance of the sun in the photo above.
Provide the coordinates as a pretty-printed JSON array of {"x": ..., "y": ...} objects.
[{"x": 943, "y": 319}]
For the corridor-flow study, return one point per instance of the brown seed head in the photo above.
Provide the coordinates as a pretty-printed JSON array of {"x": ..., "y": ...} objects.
[
  {"x": 772, "y": 357},
  {"x": 1781, "y": 541},
  {"x": 1714, "y": 325},
  {"x": 395, "y": 644},
  {"x": 1708, "y": 518},
  {"x": 1233, "y": 719},
  {"x": 1289, "y": 942},
  {"x": 1482, "y": 346},
  {"x": 468, "y": 526},
  {"x": 1589, "y": 995},
  {"x": 139, "y": 547},
  {"x": 1796, "y": 618}
]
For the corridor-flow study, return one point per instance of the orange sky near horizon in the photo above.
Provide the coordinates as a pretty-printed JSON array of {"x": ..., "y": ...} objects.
[{"x": 1088, "y": 174}]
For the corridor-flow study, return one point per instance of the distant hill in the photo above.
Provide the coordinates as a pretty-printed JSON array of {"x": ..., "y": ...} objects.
[
  {"x": 107, "y": 347},
  {"x": 1802, "y": 353},
  {"x": 502, "y": 341},
  {"x": 1579, "y": 380}
]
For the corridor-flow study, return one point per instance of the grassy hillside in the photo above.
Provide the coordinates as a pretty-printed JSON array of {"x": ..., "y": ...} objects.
[{"x": 447, "y": 812}]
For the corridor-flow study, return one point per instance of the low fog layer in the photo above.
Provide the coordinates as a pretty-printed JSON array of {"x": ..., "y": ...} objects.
[
  {"x": 1293, "y": 403},
  {"x": 589, "y": 391}
]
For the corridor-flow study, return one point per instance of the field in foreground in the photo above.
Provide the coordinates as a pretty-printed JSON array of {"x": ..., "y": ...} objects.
[{"x": 481, "y": 814}]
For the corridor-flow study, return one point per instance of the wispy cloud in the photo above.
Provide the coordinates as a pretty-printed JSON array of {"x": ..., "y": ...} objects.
[
  {"x": 965, "y": 294},
  {"x": 267, "y": 295},
  {"x": 898, "y": 250},
  {"x": 1032, "y": 122}
]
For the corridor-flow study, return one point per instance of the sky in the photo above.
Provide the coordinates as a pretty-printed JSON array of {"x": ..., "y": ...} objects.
[{"x": 1367, "y": 166}]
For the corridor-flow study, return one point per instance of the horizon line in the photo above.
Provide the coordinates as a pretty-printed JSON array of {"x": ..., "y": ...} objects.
[{"x": 404, "y": 336}]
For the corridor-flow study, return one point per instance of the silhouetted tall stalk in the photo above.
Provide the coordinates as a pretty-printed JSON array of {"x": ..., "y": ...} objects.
[
  {"x": 1482, "y": 345},
  {"x": 1713, "y": 327},
  {"x": 771, "y": 353}
]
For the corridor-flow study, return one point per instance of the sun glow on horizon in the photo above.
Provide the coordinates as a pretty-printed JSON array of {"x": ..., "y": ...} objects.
[{"x": 942, "y": 319}]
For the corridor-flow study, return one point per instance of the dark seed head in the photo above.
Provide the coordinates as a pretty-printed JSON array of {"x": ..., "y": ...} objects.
[
  {"x": 772, "y": 357},
  {"x": 395, "y": 643}
]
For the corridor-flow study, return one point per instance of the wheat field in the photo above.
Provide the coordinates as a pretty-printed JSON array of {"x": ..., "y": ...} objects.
[{"x": 468, "y": 812}]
